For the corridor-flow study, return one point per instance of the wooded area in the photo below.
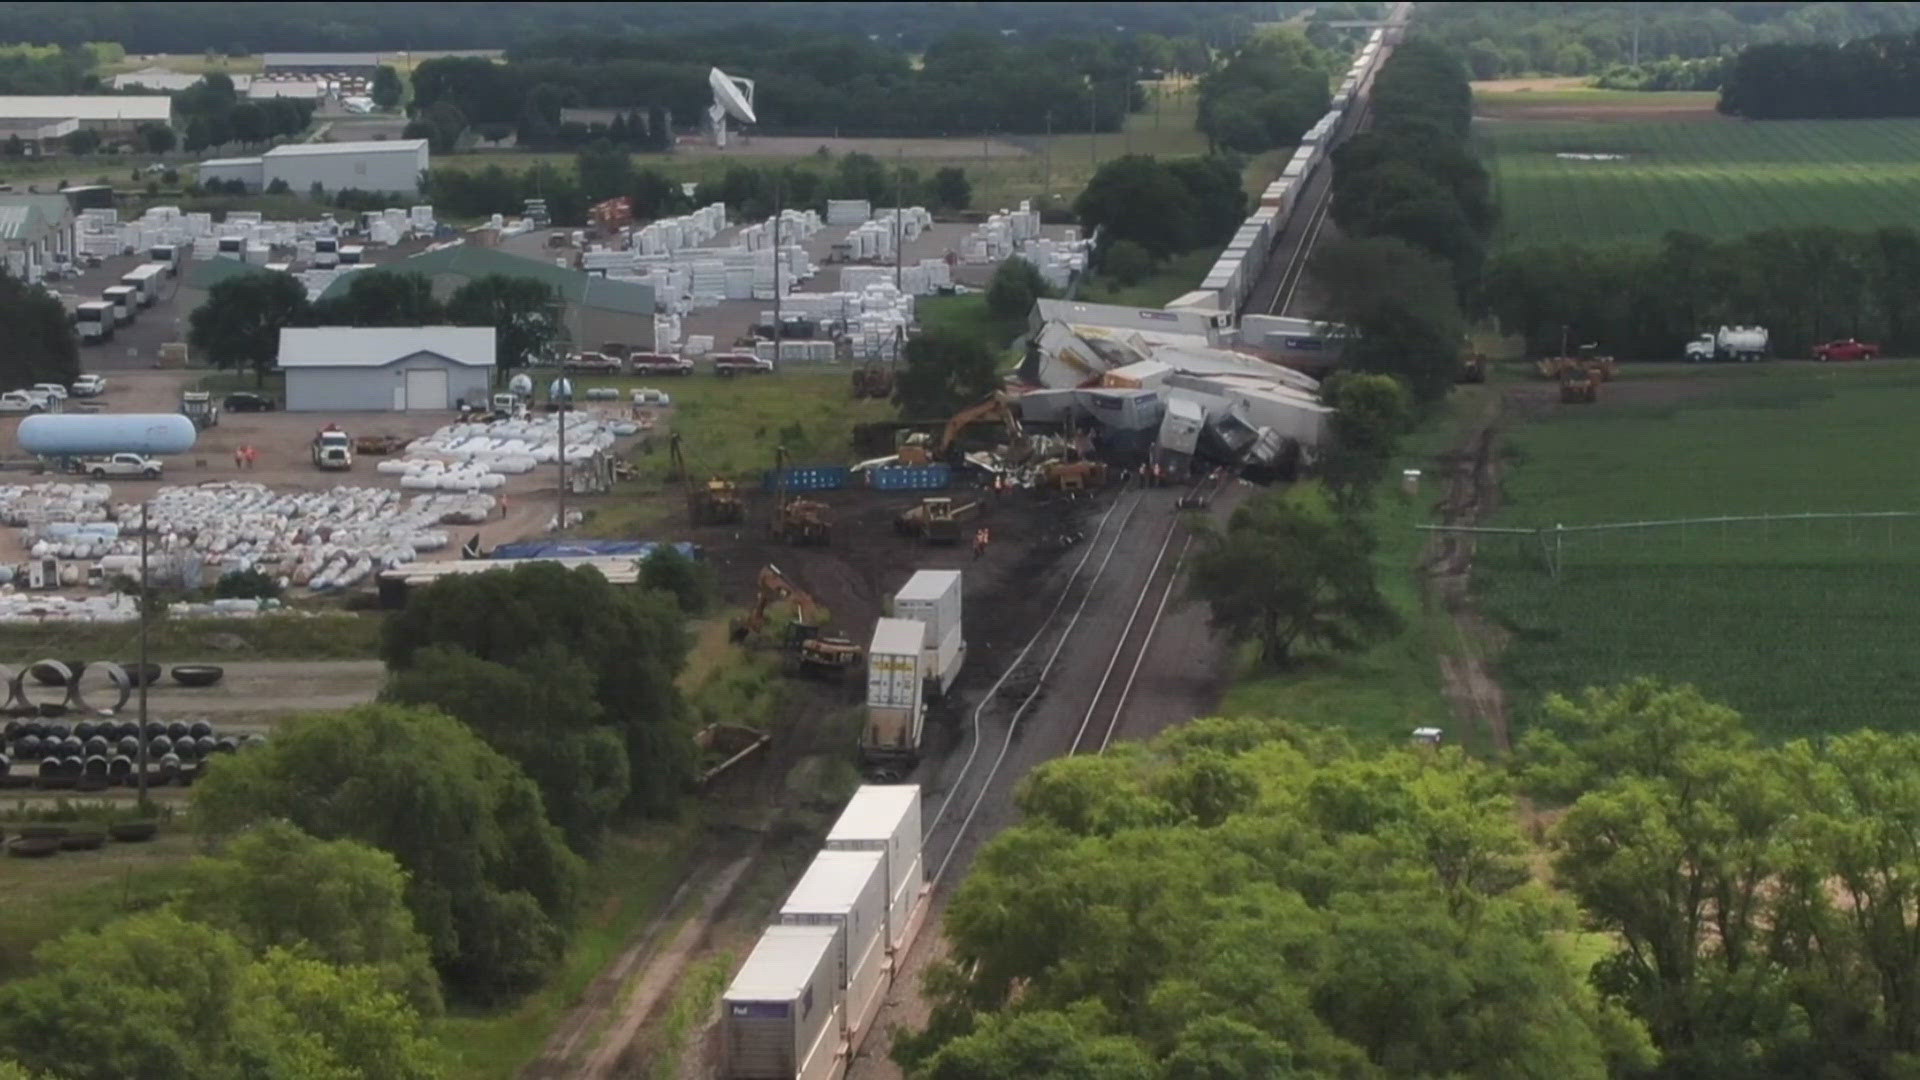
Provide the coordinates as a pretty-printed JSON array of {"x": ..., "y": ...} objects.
[
  {"x": 1645, "y": 302},
  {"x": 1868, "y": 77},
  {"x": 1503, "y": 40},
  {"x": 434, "y": 24}
]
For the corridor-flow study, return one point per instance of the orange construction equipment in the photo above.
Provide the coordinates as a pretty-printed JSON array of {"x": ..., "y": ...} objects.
[
  {"x": 998, "y": 407},
  {"x": 1074, "y": 475},
  {"x": 807, "y": 648},
  {"x": 1579, "y": 387},
  {"x": 936, "y": 520}
]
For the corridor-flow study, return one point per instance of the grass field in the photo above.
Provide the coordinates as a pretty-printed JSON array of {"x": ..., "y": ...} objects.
[
  {"x": 1804, "y": 627},
  {"x": 1715, "y": 178},
  {"x": 318, "y": 637},
  {"x": 1004, "y": 170},
  {"x": 1390, "y": 689}
]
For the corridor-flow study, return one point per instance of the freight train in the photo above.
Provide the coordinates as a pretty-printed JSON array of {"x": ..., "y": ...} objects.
[{"x": 1235, "y": 274}]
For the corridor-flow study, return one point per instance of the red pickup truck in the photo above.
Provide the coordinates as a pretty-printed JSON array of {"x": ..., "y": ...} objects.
[
  {"x": 1846, "y": 349},
  {"x": 727, "y": 365},
  {"x": 659, "y": 364}
]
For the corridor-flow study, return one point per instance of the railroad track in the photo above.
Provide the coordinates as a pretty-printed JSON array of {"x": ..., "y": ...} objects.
[
  {"x": 1023, "y": 681},
  {"x": 1102, "y": 718}
]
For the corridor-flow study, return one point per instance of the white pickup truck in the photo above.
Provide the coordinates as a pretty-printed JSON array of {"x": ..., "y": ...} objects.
[
  {"x": 122, "y": 465},
  {"x": 19, "y": 401},
  {"x": 89, "y": 386}
]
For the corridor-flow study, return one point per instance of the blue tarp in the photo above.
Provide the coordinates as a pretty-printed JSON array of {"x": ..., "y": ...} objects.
[
  {"x": 578, "y": 549},
  {"x": 809, "y": 478},
  {"x": 910, "y": 477}
]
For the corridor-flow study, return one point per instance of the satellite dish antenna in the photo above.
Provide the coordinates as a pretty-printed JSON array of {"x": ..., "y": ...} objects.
[
  {"x": 731, "y": 98},
  {"x": 521, "y": 384},
  {"x": 560, "y": 390}
]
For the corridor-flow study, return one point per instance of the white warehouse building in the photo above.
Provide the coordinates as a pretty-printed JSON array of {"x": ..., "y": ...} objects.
[
  {"x": 394, "y": 167},
  {"x": 385, "y": 369}
]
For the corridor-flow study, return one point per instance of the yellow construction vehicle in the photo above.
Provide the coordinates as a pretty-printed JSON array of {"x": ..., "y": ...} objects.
[
  {"x": 1073, "y": 475},
  {"x": 936, "y": 520},
  {"x": 807, "y": 648},
  {"x": 715, "y": 503},
  {"x": 998, "y": 407},
  {"x": 1579, "y": 386},
  {"x": 796, "y": 521}
]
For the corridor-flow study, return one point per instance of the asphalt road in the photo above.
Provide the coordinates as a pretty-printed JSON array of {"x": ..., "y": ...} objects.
[{"x": 1181, "y": 677}]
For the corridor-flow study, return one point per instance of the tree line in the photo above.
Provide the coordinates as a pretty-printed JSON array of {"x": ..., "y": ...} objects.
[
  {"x": 368, "y": 866},
  {"x": 1266, "y": 95},
  {"x": 805, "y": 83},
  {"x": 1415, "y": 208},
  {"x": 242, "y": 28},
  {"x": 604, "y": 172},
  {"x": 1502, "y": 40},
  {"x": 1162, "y": 207},
  {"x": 1249, "y": 897},
  {"x": 1644, "y": 302},
  {"x": 238, "y": 326},
  {"x": 212, "y": 113},
  {"x": 1866, "y": 77}
]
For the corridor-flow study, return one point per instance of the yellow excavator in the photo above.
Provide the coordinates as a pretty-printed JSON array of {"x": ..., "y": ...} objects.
[
  {"x": 807, "y": 648},
  {"x": 997, "y": 407},
  {"x": 715, "y": 503}
]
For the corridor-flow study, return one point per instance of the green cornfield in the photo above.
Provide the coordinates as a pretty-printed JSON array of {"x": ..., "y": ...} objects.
[
  {"x": 1804, "y": 626},
  {"x": 1718, "y": 178}
]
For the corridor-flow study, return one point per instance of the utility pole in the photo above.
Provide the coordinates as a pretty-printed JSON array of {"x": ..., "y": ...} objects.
[
  {"x": 146, "y": 601},
  {"x": 1636, "y": 37},
  {"x": 1093, "y": 129},
  {"x": 565, "y": 395},
  {"x": 778, "y": 192},
  {"x": 1046, "y": 150},
  {"x": 899, "y": 233}
]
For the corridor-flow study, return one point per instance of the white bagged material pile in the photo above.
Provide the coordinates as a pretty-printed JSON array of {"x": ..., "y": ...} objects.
[
  {"x": 33, "y": 506},
  {"x": 671, "y": 234},
  {"x": 462, "y": 457},
  {"x": 1001, "y": 235},
  {"x": 44, "y": 607},
  {"x": 227, "y": 609}
]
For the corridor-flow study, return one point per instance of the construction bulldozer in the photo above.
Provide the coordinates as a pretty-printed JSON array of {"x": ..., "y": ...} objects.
[
  {"x": 808, "y": 650},
  {"x": 802, "y": 521},
  {"x": 936, "y": 520},
  {"x": 715, "y": 503},
  {"x": 1580, "y": 386}
]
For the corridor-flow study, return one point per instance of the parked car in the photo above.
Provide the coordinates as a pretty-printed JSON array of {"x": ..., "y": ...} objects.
[
  {"x": 39, "y": 397},
  {"x": 52, "y": 389},
  {"x": 1846, "y": 349},
  {"x": 727, "y": 365},
  {"x": 593, "y": 361},
  {"x": 659, "y": 364},
  {"x": 19, "y": 401},
  {"x": 245, "y": 402},
  {"x": 90, "y": 386},
  {"x": 122, "y": 465}
]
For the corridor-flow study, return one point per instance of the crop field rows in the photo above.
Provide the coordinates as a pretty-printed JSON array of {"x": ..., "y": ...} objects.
[
  {"x": 1718, "y": 179},
  {"x": 1804, "y": 627}
]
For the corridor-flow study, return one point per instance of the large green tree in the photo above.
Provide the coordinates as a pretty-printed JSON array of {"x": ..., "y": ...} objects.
[
  {"x": 157, "y": 995},
  {"x": 944, "y": 371},
  {"x": 1398, "y": 309},
  {"x": 1266, "y": 95},
  {"x": 387, "y": 89},
  {"x": 1015, "y": 285},
  {"x": 540, "y": 712},
  {"x": 544, "y": 623},
  {"x": 40, "y": 342},
  {"x": 524, "y": 314},
  {"x": 341, "y": 901},
  {"x": 382, "y": 298},
  {"x": 1246, "y": 898},
  {"x": 1370, "y": 414},
  {"x": 1284, "y": 577},
  {"x": 490, "y": 881},
  {"x": 1138, "y": 198},
  {"x": 238, "y": 327}
]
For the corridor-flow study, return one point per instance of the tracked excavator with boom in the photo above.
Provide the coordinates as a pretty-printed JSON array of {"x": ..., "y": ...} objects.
[
  {"x": 998, "y": 407},
  {"x": 715, "y": 503},
  {"x": 808, "y": 649},
  {"x": 796, "y": 521}
]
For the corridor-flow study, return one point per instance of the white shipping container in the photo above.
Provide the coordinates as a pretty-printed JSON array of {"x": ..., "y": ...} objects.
[
  {"x": 848, "y": 889},
  {"x": 782, "y": 1018},
  {"x": 1180, "y": 428},
  {"x": 944, "y": 660},
  {"x": 886, "y": 818},
  {"x": 932, "y": 598}
]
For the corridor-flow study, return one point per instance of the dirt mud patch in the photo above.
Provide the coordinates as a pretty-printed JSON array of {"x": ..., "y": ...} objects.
[{"x": 1472, "y": 491}]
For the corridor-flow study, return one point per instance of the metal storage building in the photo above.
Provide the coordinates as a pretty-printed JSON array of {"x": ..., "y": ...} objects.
[
  {"x": 321, "y": 63},
  {"x": 394, "y": 166},
  {"x": 36, "y": 231},
  {"x": 781, "y": 1019},
  {"x": 120, "y": 113},
  {"x": 383, "y": 369},
  {"x": 886, "y": 818},
  {"x": 250, "y": 171}
]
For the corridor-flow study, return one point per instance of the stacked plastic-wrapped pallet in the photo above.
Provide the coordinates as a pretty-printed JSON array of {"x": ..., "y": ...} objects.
[{"x": 848, "y": 211}]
